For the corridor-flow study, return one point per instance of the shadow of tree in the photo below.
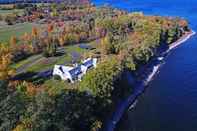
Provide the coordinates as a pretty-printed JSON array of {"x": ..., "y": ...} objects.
[{"x": 35, "y": 77}]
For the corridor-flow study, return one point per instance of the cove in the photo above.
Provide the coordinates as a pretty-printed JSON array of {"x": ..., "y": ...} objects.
[{"x": 170, "y": 100}]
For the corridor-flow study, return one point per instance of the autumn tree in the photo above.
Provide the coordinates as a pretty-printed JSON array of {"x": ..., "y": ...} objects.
[
  {"x": 5, "y": 60},
  {"x": 26, "y": 36},
  {"x": 27, "y": 88},
  {"x": 34, "y": 32},
  {"x": 96, "y": 126},
  {"x": 50, "y": 28},
  {"x": 61, "y": 40},
  {"x": 13, "y": 42},
  {"x": 183, "y": 24},
  {"x": 105, "y": 45},
  {"x": 50, "y": 46}
]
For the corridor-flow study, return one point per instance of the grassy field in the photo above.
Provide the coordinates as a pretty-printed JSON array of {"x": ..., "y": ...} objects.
[
  {"x": 66, "y": 59},
  {"x": 15, "y": 30},
  {"x": 7, "y": 12},
  {"x": 38, "y": 63}
]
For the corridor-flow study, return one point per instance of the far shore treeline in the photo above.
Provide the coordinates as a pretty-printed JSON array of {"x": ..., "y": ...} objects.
[
  {"x": 121, "y": 41},
  {"x": 38, "y": 1}
]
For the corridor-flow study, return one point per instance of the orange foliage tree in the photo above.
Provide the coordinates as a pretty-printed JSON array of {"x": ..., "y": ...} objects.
[
  {"x": 26, "y": 37},
  {"x": 61, "y": 40},
  {"x": 5, "y": 60},
  {"x": 50, "y": 28},
  {"x": 34, "y": 32},
  {"x": 26, "y": 87},
  {"x": 13, "y": 42}
]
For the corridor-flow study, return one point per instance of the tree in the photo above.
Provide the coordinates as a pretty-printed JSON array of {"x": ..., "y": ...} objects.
[
  {"x": 50, "y": 47},
  {"x": 10, "y": 19},
  {"x": 13, "y": 42},
  {"x": 61, "y": 40},
  {"x": 126, "y": 57},
  {"x": 19, "y": 127},
  {"x": 12, "y": 108},
  {"x": 26, "y": 37},
  {"x": 61, "y": 112},
  {"x": 50, "y": 28},
  {"x": 27, "y": 88},
  {"x": 71, "y": 38},
  {"x": 171, "y": 35},
  {"x": 100, "y": 80},
  {"x": 34, "y": 32},
  {"x": 183, "y": 24},
  {"x": 5, "y": 60},
  {"x": 1, "y": 17},
  {"x": 96, "y": 126},
  {"x": 105, "y": 45}
]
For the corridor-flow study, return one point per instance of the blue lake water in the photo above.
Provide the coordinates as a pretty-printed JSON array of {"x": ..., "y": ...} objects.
[{"x": 170, "y": 101}]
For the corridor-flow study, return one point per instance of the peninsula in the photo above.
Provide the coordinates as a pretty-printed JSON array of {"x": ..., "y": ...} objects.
[{"x": 38, "y": 39}]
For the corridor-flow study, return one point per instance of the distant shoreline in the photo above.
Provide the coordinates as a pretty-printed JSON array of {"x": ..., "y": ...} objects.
[
  {"x": 10, "y": 2},
  {"x": 7, "y": 2},
  {"x": 140, "y": 87}
]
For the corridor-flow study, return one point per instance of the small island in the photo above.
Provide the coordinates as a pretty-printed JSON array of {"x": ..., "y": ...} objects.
[{"x": 108, "y": 43}]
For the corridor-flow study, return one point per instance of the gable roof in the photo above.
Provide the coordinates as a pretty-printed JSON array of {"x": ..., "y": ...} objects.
[
  {"x": 88, "y": 63},
  {"x": 75, "y": 72},
  {"x": 61, "y": 69}
]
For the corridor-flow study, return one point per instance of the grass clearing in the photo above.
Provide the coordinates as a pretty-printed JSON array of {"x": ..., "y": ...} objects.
[
  {"x": 48, "y": 63},
  {"x": 15, "y": 30},
  {"x": 29, "y": 60},
  {"x": 11, "y": 11}
]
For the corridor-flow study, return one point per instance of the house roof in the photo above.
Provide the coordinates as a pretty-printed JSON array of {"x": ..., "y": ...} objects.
[
  {"x": 63, "y": 69},
  {"x": 88, "y": 63},
  {"x": 75, "y": 72}
]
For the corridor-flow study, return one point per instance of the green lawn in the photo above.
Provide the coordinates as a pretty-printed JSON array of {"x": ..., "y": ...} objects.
[
  {"x": 43, "y": 63},
  {"x": 21, "y": 63},
  {"x": 27, "y": 61},
  {"x": 48, "y": 63},
  {"x": 15, "y": 30}
]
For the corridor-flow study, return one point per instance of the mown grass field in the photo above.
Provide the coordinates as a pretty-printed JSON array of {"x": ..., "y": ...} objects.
[
  {"x": 7, "y": 12},
  {"x": 48, "y": 63},
  {"x": 15, "y": 30},
  {"x": 39, "y": 63}
]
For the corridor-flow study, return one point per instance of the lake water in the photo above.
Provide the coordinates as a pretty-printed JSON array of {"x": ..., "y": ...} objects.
[{"x": 170, "y": 101}]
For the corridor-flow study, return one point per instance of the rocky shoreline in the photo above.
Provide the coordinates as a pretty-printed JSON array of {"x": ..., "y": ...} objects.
[{"x": 151, "y": 69}]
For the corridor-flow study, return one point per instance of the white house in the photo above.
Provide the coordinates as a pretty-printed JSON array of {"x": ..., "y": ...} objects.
[
  {"x": 74, "y": 73},
  {"x": 87, "y": 64}
]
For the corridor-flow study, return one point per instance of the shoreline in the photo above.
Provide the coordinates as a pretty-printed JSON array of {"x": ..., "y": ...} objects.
[
  {"x": 181, "y": 40},
  {"x": 172, "y": 46},
  {"x": 141, "y": 86}
]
